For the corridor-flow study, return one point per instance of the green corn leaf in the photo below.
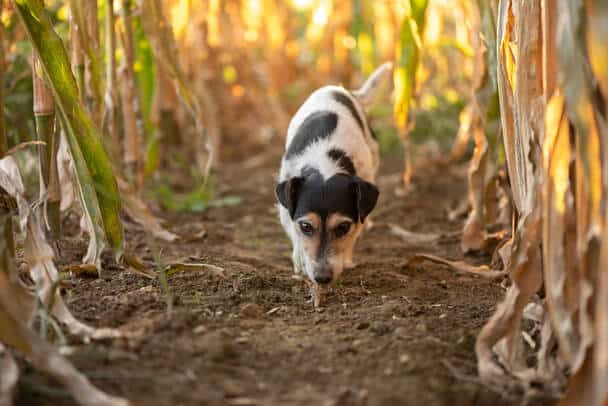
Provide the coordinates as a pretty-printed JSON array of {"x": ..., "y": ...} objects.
[
  {"x": 404, "y": 76},
  {"x": 418, "y": 13},
  {"x": 80, "y": 129},
  {"x": 78, "y": 13}
]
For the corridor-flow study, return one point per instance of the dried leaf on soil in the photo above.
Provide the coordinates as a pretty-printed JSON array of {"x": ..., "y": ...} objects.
[{"x": 460, "y": 266}]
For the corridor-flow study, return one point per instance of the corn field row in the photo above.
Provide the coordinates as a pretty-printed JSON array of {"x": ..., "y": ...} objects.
[{"x": 537, "y": 75}]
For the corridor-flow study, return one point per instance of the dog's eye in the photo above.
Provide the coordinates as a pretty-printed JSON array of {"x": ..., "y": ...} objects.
[
  {"x": 342, "y": 229},
  {"x": 307, "y": 228}
]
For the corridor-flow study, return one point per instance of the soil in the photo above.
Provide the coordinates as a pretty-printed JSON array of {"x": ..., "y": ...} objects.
[{"x": 387, "y": 334}]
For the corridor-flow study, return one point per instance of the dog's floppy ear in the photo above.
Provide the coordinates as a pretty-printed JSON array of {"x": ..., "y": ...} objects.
[
  {"x": 366, "y": 195},
  {"x": 287, "y": 193}
]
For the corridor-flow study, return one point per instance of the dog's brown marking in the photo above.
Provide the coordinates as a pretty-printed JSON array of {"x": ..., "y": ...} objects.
[{"x": 326, "y": 245}]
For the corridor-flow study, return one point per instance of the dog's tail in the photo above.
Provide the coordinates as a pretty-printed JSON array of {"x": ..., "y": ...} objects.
[{"x": 367, "y": 93}]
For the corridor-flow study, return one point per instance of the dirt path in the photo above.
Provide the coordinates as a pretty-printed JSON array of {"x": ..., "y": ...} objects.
[{"x": 385, "y": 337}]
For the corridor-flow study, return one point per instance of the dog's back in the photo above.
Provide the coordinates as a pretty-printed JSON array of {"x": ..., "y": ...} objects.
[{"x": 330, "y": 133}]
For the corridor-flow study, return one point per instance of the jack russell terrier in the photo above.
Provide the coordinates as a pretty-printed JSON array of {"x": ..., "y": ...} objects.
[{"x": 326, "y": 184}]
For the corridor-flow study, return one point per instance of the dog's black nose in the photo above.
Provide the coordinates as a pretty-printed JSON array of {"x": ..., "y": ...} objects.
[{"x": 323, "y": 279}]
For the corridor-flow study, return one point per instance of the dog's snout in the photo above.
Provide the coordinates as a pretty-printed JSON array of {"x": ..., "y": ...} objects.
[
  {"x": 323, "y": 274},
  {"x": 323, "y": 279}
]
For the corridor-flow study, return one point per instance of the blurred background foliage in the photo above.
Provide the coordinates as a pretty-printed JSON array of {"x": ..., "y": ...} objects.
[{"x": 257, "y": 60}]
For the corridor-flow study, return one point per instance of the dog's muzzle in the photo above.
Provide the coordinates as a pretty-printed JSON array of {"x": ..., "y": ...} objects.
[{"x": 323, "y": 274}]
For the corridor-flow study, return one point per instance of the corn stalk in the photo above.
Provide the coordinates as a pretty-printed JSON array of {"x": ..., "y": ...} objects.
[
  {"x": 111, "y": 118},
  {"x": 473, "y": 123},
  {"x": 83, "y": 135},
  {"x": 555, "y": 136},
  {"x": 133, "y": 132},
  {"x": 44, "y": 115},
  {"x": 202, "y": 109},
  {"x": 86, "y": 36},
  {"x": 407, "y": 55}
]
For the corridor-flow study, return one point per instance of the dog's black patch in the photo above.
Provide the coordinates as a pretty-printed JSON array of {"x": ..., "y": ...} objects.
[
  {"x": 348, "y": 103},
  {"x": 323, "y": 197},
  {"x": 343, "y": 160},
  {"x": 348, "y": 195},
  {"x": 317, "y": 126}
]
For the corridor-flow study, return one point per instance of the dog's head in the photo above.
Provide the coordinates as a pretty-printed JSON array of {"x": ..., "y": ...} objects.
[{"x": 328, "y": 216}]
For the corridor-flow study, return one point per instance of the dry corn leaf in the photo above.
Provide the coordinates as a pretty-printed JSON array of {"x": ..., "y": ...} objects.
[
  {"x": 10, "y": 181},
  {"x": 463, "y": 136},
  {"x": 504, "y": 325},
  {"x": 474, "y": 233},
  {"x": 414, "y": 238},
  {"x": 82, "y": 270},
  {"x": 597, "y": 41},
  {"x": 177, "y": 267},
  {"x": 582, "y": 107},
  {"x": 556, "y": 239},
  {"x": 16, "y": 311},
  {"x": 39, "y": 256},
  {"x": 459, "y": 266},
  {"x": 600, "y": 355},
  {"x": 66, "y": 169}
]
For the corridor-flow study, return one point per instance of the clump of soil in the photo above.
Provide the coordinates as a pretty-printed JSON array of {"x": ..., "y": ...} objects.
[{"x": 388, "y": 333}]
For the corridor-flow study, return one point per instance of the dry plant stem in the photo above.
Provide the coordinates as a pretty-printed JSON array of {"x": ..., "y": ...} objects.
[
  {"x": 520, "y": 96},
  {"x": 408, "y": 170},
  {"x": 473, "y": 120},
  {"x": 7, "y": 255},
  {"x": 463, "y": 136},
  {"x": 130, "y": 101},
  {"x": 92, "y": 62},
  {"x": 166, "y": 101},
  {"x": 44, "y": 115},
  {"x": 9, "y": 373},
  {"x": 111, "y": 119},
  {"x": 159, "y": 32},
  {"x": 473, "y": 233},
  {"x": 505, "y": 322},
  {"x": 77, "y": 57},
  {"x": 84, "y": 16},
  {"x": 558, "y": 242}
]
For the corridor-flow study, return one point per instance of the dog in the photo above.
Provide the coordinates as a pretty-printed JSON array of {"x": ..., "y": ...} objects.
[{"x": 326, "y": 188}]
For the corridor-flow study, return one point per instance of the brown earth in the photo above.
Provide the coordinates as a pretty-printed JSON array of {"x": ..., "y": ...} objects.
[{"x": 388, "y": 334}]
